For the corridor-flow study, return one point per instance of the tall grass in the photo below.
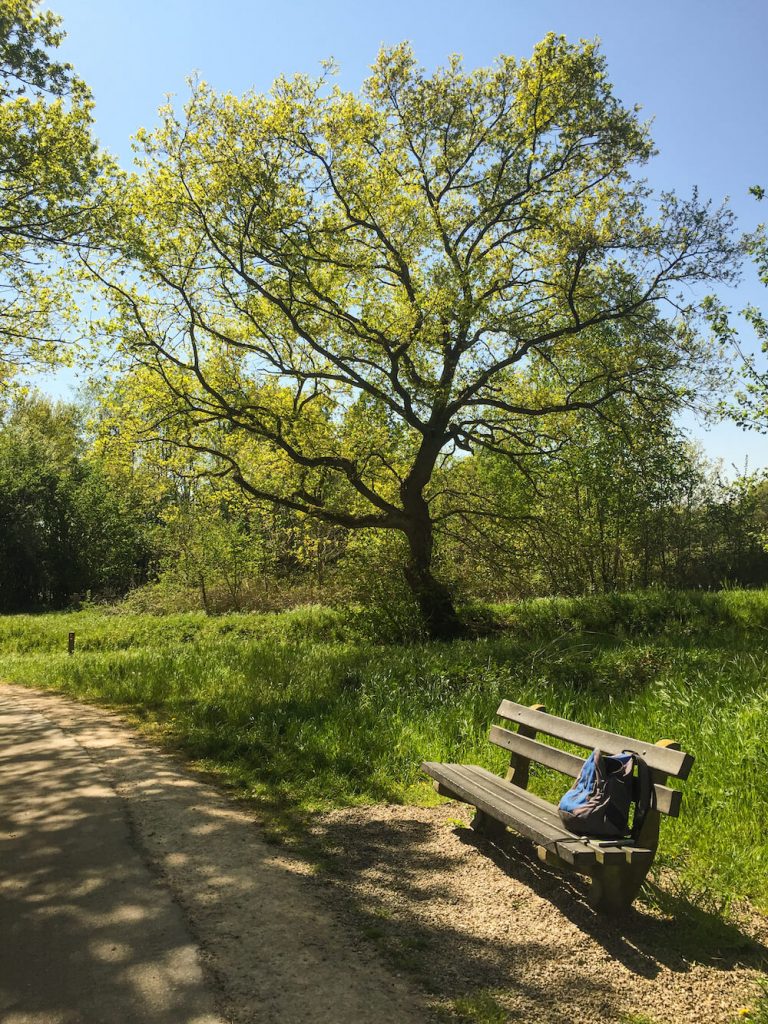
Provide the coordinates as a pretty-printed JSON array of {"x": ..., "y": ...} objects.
[{"x": 305, "y": 709}]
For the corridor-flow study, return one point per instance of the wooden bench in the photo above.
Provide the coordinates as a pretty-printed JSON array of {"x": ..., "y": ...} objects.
[{"x": 617, "y": 872}]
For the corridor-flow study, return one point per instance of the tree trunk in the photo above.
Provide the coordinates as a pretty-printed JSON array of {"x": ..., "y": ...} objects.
[
  {"x": 204, "y": 594},
  {"x": 433, "y": 597}
]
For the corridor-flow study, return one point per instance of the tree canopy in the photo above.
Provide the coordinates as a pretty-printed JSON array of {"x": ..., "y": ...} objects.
[
  {"x": 48, "y": 166},
  {"x": 330, "y": 296},
  {"x": 753, "y": 408}
]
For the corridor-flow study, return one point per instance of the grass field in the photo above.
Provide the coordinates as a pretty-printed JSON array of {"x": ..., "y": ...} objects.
[{"x": 303, "y": 709}]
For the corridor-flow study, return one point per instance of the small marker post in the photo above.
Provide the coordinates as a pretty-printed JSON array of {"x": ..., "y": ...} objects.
[{"x": 71, "y": 643}]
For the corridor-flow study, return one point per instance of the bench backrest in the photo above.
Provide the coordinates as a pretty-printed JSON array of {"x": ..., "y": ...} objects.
[{"x": 664, "y": 759}]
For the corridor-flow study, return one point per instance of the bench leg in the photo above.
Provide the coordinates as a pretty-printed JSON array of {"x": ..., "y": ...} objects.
[
  {"x": 488, "y": 827},
  {"x": 615, "y": 886}
]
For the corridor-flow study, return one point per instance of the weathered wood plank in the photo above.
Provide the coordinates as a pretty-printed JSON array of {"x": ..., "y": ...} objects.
[
  {"x": 535, "y": 750},
  {"x": 484, "y": 799},
  {"x": 664, "y": 759},
  {"x": 508, "y": 791},
  {"x": 519, "y": 766},
  {"x": 667, "y": 800},
  {"x": 551, "y": 859},
  {"x": 516, "y": 797},
  {"x": 546, "y": 812},
  {"x": 527, "y": 814}
]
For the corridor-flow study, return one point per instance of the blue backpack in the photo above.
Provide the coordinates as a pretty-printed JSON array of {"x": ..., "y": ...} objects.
[{"x": 600, "y": 800}]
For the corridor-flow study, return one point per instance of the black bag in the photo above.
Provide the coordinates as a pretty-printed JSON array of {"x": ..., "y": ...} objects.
[{"x": 599, "y": 802}]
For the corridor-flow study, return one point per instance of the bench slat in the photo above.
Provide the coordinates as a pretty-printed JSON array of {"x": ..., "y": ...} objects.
[
  {"x": 548, "y": 814},
  {"x": 514, "y": 807},
  {"x": 469, "y": 790},
  {"x": 667, "y": 800},
  {"x": 529, "y": 803},
  {"x": 560, "y": 760},
  {"x": 662, "y": 759},
  {"x": 534, "y": 805}
]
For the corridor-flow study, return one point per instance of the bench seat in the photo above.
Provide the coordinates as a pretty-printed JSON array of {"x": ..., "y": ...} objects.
[{"x": 526, "y": 813}]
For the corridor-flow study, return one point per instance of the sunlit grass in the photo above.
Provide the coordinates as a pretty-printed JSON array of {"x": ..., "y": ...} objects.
[{"x": 305, "y": 709}]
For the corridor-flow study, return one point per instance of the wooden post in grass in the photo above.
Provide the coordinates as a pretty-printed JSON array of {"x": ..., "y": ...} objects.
[{"x": 71, "y": 643}]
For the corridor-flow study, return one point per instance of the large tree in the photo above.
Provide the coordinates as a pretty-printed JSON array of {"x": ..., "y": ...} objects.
[
  {"x": 329, "y": 295},
  {"x": 48, "y": 166}
]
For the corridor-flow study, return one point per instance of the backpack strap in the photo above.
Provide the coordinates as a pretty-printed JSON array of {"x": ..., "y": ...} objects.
[{"x": 645, "y": 795}]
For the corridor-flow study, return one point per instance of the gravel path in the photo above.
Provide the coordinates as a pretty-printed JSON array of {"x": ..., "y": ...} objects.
[
  {"x": 462, "y": 927},
  {"x": 498, "y": 931},
  {"x": 87, "y": 932},
  {"x": 271, "y": 947}
]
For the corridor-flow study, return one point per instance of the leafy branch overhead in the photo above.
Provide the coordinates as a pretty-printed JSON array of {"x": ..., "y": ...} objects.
[
  {"x": 753, "y": 411},
  {"x": 350, "y": 289},
  {"x": 749, "y": 407},
  {"x": 48, "y": 167}
]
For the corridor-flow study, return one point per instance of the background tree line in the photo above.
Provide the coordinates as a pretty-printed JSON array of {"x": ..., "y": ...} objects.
[{"x": 83, "y": 516}]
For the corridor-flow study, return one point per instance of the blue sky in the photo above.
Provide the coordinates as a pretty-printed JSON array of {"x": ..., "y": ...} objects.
[{"x": 697, "y": 67}]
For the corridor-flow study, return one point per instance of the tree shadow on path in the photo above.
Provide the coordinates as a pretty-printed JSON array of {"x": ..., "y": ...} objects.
[{"x": 469, "y": 917}]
